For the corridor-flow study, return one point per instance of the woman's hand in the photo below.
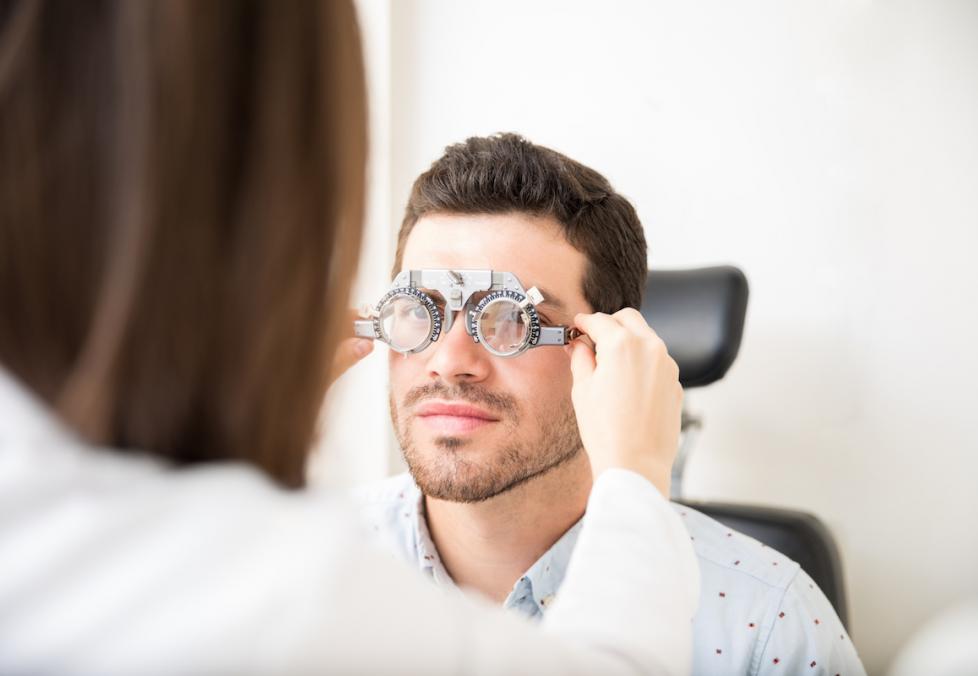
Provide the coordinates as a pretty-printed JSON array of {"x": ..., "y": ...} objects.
[
  {"x": 349, "y": 351},
  {"x": 626, "y": 396}
]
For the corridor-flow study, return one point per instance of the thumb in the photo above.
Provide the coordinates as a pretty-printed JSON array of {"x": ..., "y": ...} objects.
[
  {"x": 582, "y": 361},
  {"x": 348, "y": 353}
]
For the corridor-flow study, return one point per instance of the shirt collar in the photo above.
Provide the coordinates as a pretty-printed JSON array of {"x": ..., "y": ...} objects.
[
  {"x": 543, "y": 578},
  {"x": 547, "y": 573},
  {"x": 428, "y": 560}
]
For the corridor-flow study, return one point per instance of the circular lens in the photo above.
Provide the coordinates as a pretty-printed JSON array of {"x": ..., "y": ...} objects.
[
  {"x": 405, "y": 322},
  {"x": 503, "y": 326}
]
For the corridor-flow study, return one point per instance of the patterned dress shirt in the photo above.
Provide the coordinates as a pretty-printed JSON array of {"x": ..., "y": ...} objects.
[{"x": 759, "y": 613}]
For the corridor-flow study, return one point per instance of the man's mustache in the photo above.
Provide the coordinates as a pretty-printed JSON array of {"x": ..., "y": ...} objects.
[{"x": 496, "y": 402}]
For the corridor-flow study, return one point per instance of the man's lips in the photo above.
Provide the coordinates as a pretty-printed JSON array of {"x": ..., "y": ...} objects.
[
  {"x": 453, "y": 418},
  {"x": 432, "y": 408}
]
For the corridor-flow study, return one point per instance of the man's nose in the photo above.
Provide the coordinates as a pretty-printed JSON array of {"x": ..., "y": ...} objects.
[{"x": 456, "y": 357}]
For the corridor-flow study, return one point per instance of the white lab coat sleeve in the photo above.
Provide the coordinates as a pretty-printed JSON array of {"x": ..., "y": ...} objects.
[{"x": 634, "y": 595}]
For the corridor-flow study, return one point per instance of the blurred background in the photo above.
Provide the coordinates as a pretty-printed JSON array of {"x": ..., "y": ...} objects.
[{"x": 827, "y": 148}]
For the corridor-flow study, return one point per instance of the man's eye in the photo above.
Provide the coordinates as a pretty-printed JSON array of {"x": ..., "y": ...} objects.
[{"x": 413, "y": 313}]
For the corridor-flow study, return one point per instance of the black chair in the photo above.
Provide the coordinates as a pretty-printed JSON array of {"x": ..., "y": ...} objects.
[{"x": 700, "y": 313}]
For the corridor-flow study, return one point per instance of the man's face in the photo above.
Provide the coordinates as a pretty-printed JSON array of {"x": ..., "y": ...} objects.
[{"x": 472, "y": 425}]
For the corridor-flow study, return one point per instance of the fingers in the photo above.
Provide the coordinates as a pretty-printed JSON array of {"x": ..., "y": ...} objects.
[
  {"x": 633, "y": 320},
  {"x": 599, "y": 327},
  {"x": 603, "y": 328},
  {"x": 582, "y": 361},
  {"x": 622, "y": 332},
  {"x": 349, "y": 352}
]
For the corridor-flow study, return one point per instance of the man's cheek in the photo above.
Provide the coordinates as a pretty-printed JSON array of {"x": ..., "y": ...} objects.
[
  {"x": 534, "y": 373},
  {"x": 398, "y": 378}
]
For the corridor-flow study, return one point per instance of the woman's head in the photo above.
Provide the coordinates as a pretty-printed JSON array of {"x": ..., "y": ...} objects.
[{"x": 181, "y": 189}]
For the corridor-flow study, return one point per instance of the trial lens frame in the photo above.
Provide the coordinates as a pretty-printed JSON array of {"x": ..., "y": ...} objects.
[{"x": 456, "y": 288}]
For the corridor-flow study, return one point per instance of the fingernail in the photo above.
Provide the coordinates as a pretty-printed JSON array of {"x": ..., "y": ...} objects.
[{"x": 362, "y": 347}]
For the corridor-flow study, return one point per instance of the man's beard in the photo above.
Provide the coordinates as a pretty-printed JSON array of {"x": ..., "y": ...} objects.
[{"x": 448, "y": 476}]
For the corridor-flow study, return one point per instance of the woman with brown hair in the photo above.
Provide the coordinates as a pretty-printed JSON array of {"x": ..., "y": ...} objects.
[{"x": 181, "y": 195}]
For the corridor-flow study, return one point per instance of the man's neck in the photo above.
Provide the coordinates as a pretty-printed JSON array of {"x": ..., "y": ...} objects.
[{"x": 488, "y": 545}]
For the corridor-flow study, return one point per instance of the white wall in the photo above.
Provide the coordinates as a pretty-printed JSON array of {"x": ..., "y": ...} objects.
[{"x": 830, "y": 149}]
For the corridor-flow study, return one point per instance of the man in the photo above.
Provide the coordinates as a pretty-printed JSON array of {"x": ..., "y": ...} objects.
[{"x": 498, "y": 479}]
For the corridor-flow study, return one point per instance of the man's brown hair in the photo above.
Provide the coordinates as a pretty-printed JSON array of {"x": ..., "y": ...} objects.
[
  {"x": 181, "y": 191},
  {"x": 506, "y": 173}
]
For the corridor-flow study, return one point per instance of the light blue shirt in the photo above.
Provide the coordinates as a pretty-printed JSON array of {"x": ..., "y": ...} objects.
[{"x": 759, "y": 613}]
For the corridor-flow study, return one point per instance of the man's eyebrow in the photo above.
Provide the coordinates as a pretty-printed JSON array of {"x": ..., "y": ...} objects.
[{"x": 551, "y": 301}]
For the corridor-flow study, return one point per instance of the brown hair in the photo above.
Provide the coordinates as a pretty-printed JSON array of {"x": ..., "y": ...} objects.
[
  {"x": 181, "y": 196},
  {"x": 506, "y": 173}
]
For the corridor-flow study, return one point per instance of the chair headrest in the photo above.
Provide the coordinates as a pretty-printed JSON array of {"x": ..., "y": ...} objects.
[{"x": 699, "y": 314}]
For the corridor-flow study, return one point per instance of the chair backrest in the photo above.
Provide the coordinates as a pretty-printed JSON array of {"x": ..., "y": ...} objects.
[{"x": 699, "y": 313}]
